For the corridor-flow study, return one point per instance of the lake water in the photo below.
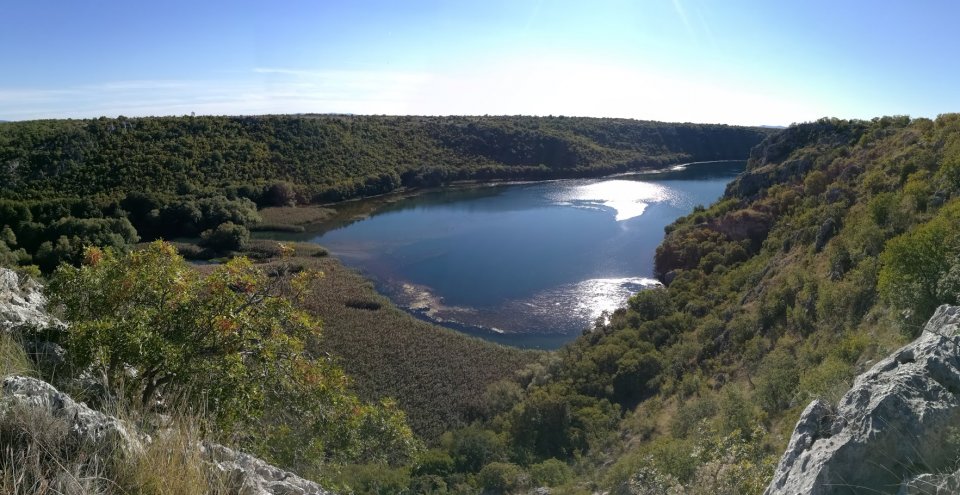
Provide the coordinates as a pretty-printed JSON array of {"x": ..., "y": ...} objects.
[{"x": 529, "y": 264}]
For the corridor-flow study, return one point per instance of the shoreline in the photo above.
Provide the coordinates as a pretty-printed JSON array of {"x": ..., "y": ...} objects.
[{"x": 341, "y": 218}]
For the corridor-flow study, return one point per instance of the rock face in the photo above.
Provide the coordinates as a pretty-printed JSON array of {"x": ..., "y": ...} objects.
[
  {"x": 22, "y": 303},
  {"x": 893, "y": 425}
]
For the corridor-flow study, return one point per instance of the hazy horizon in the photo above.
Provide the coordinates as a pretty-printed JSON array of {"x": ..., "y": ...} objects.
[{"x": 745, "y": 62}]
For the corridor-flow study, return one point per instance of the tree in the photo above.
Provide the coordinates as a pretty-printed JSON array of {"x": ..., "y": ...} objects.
[
  {"x": 149, "y": 325},
  {"x": 281, "y": 194}
]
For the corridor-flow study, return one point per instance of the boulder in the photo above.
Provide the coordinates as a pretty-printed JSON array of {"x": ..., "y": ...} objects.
[{"x": 891, "y": 426}]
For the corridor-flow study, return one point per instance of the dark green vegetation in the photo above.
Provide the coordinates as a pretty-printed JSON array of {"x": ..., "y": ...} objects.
[
  {"x": 111, "y": 182},
  {"x": 284, "y": 159}
]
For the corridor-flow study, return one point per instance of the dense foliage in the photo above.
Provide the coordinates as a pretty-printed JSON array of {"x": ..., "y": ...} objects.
[{"x": 279, "y": 159}]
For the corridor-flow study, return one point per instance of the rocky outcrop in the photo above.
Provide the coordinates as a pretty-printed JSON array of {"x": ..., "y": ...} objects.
[
  {"x": 253, "y": 476},
  {"x": 86, "y": 426},
  {"x": 893, "y": 425},
  {"x": 22, "y": 303},
  {"x": 96, "y": 431}
]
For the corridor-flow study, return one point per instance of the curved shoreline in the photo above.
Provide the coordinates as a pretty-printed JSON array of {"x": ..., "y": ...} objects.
[{"x": 423, "y": 304}]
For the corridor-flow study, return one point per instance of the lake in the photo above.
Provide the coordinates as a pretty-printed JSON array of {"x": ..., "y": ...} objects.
[{"x": 525, "y": 264}]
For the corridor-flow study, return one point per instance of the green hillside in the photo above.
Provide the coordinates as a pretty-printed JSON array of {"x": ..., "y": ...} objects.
[
  {"x": 829, "y": 251},
  {"x": 330, "y": 158}
]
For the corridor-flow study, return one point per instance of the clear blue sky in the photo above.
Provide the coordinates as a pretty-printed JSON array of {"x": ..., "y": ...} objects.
[{"x": 730, "y": 61}]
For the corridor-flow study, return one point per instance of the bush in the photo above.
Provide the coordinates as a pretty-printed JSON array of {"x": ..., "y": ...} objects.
[
  {"x": 916, "y": 264},
  {"x": 472, "y": 447},
  {"x": 778, "y": 379},
  {"x": 230, "y": 345},
  {"x": 281, "y": 194},
  {"x": 228, "y": 236},
  {"x": 433, "y": 462},
  {"x": 503, "y": 477},
  {"x": 551, "y": 472}
]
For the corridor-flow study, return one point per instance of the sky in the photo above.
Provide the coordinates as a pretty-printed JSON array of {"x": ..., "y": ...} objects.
[{"x": 756, "y": 62}]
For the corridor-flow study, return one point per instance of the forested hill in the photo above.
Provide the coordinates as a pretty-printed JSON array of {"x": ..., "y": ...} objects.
[
  {"x": 330, "y": 158},
  {"x": 112, "y": 182}
]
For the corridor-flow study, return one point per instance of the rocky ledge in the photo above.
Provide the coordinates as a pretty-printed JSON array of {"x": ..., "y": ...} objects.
[{"x": 895, "y": 431}]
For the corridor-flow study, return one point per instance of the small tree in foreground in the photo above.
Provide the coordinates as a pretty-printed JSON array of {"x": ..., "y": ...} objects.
[{"x": 148, "y": 323}]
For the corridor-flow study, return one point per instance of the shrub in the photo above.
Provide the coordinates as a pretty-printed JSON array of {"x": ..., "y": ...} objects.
[
  {"x": 914, "y": 265},
  {"x": 472, "y": 447},
  {"x": 551, "y": 472},
  {"x": 228, "y": 236},
  {"x": 502, "y": 477},
  {"x": 230, "y": 344},
  {"x": 777, "y": 378}
]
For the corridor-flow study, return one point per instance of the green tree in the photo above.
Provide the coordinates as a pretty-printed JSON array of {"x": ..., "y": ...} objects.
[{"x": 148, "y": 324}]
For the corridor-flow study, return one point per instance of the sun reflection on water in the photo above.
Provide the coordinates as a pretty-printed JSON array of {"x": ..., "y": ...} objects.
[
  {"x": 627, "y": 198},
  {"x": 567, "y": 309},
  {"x": 589, "y": 299}
]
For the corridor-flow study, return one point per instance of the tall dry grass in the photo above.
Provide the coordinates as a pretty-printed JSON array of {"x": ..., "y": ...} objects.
[
  {"x": 40, "y": 456},
  {"x": 13, "y": 357}
]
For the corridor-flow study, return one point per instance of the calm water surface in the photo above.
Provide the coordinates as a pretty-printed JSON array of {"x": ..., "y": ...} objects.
[{"x": 532, "y": 264}]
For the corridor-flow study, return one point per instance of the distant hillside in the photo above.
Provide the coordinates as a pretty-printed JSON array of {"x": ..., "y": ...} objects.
[
  {"x": 66, "y": 183},
  {"x": 330, "y": 158}
]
